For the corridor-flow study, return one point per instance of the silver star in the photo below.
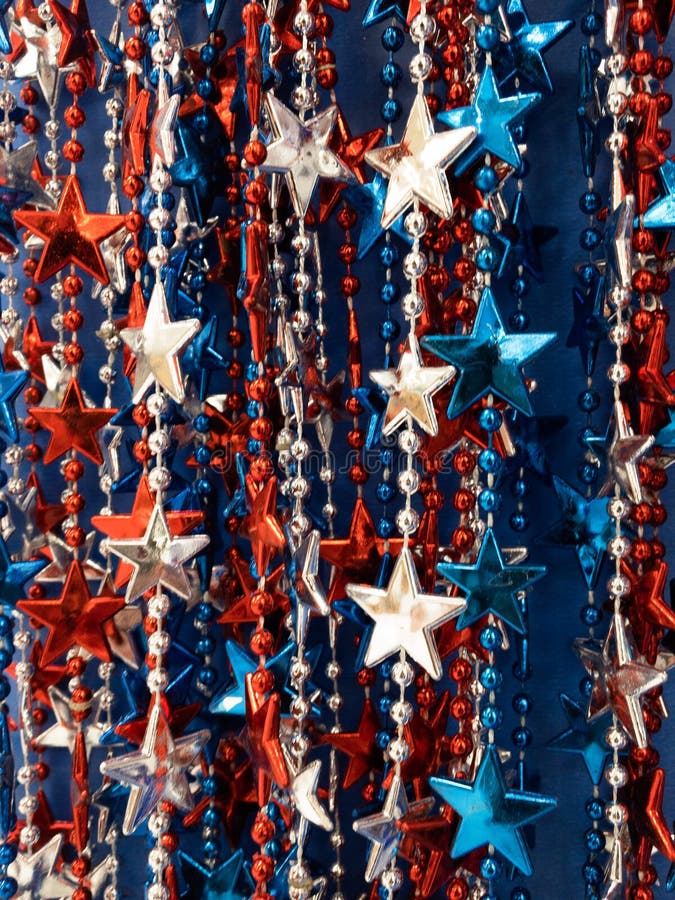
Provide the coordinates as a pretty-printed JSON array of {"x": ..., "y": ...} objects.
[
  {"x": 156, "y": 347},
  {"x": 61, "y": 555},
  {"x": 622, "y": 453},
  {"x": 158, "y": 558},
  {"x": 303, "y": 790},
  {"x": 110, "y": 440},
  {"x": 57, "y": 377},
  {"x": 612, "y": 887},
  {"x": 162, "y": 130},
  {"x": 16, "y": 168},
  {"x": 299, "y": 151},
  {"x": 112, "y": 251},
  {"x": 40, "y": 58},
  {"x": 96, "y": 879},
  {"x": 156, "y": 771},
  {"x": 382, "y": 830},
  {"x": 63, "y": 732},
  {"x": 410, "y": 389},
  {"x": 619, "y": 236},
  {"x": 415, "y": 167},
  {"x": 309, "y": 592},
  {"x": 186, "y": 230},
  {"x": 404, "y": 616},
  {"x": 35, "y": 876}
]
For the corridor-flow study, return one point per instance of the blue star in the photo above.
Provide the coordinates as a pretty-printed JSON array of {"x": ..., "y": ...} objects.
[
  {"x": 379, "y": 10},
  {"x": 661, "y": 213},
  {"x": 585, "y": 525},
  {"x": 112, "y": 71},
  {"x": 7, "y": 816},
  {"x": 5, "y": 41},
  {"x": 528, "y": 435},
  {"x": 488, "y": 359},
  {"x": 197, "y": 170},
  {"x": 225, "y": 882},
  {"x": 232, "y": 701},
  {"x": 521, "y": 239},
  {"x": 490, "y": 813},
  {"x": 583, "y": 737},
  {"x": 523, "y": 54},
  {"x": 202, "y": 356},
  {"x": 14, "y": 575},
  {"x": 665, "y": 436},
  {"x": 492, "y": 116},
  {"x": 374, "y": 402},
  {"x": 588, "y": 329},
  {"x": 214, "y": 10},
  {"x": 490, "y": 586},
  {"x": 588, "y": 111},
  {"x": 368, "y": 200},
  {"x": 11, "y": 384}
]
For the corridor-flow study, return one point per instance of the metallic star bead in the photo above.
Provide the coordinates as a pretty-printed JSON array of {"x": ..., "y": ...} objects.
[
  {"x": 621, "y": 450},
  {"x": 35, "y": 875}
]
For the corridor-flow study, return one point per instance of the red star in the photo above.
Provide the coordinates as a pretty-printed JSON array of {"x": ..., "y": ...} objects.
[
  {"x": 73, "y": 425},
  {"x": 451, "y": 431},
  {"x": 43, "y": 677},
  {"x": 646, "y": 820},
  {"x": 179, "y": 717},
  {"x": 648, "y": 155},
  {"x": 77, "y": 42},
  {"x": 33, "y": 348},
  {"x": 256, "y": 287},
  {"x": 360, "y": 746},
  {"x": 47, "y": 516},
  {"x": 430, "y": 839},
  {"x": 135, "y": 128},
  {"x": 134, "y": 524},
  {"x": 357, "y": 557},
  {"x": 43, "y": 819},
  {"x": 425, "y": 738},
  {"x": 71, "y": 234},
  {"x": 352, "y": 152},
  {"x": 241, "y": 611},
  {"x": 227, "y": 440},
  {"x": 262, "y": 721},
  {"x": 653, "y": 387},
  {"x": 261, "y": 526},
  {"x": 647, "y": 610},
  {"x": 74, "y": 619}
]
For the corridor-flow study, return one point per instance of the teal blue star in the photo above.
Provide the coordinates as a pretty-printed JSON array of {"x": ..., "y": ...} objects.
[
  {"x": 583, "y": 737},
  {"x": 490, "y": 813},
  {"x": 665, "y": 436},
  {"x": 523, "y": 54},
  {"x": 492, "y": 116},
  {"x": 379, "y": 10},
  {"x": 488, "y": 359},
  {"x": 14, "y": 575},
  {"x": 214, "y": 10},
  {"x": 584, "y": 525},
  {"x": 11, "y": 384},
  {"x": 225, "y": 882},
  {"x": 232, "y": 701},
  {"x": 661, "y": 213},
  {"x": 489, "y": 586},
  {"x": 368, "y": 200}
]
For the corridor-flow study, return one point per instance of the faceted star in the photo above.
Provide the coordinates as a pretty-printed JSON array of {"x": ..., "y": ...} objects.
[
  {"x": 648, "y": 825},
  {"x": 34, "y": 873},
  {"x": 303, "y": 789},
  {"x": 306, "y": 587},
  {"x": 156, "y": 771},
  {"x": 71, "y": 234},
  {"x": 589, "y": 325},
  {"x": 415, "y": 167},
  {"x": 491, "y": 813},
  {"x": 410, "y": 389},
  {"x": 232, "y": 700},
  {"x": 202, "y": 357},
  {"x": 157, "y": 346},
  {"x": 39, "y": 59},
  {"x": 299, "y": 151},
  {"x": 73, "y": 425},
  {"x": 368, "y": 200},
  {"x": 522, "y": 55},
  {"x": 162, "y": 139},
  {"x": 619, "y": 681},
  {"x": 492, "y": 117},
  {"x": 661, "y": 213},
  {"x": 360, "y": 746},
  {"x": 158, "y": 557},
  {"x": 488, "y": 359},
  {"x": 352, "y": 151},
  {"x": 73, "y": 619},
  {"x": 382, "y": 829},
  {"x": 227, "y": 881},
  {"x": 491, "y": 586},
  {"x": 622, "y": 451},
  {"x": 404, "y": 617},
  {"x": 77, "y": 45},
  {"x": 63, "y": 733},
  {"x": 584, "y": 737},
  {"x": 522, "y": 238},
  {"x": 261, "y": 526},
  {"x": 14, "y": 575},
  {"x": 617, "y": 239},
  {"x": 379, "y": 10},
  {"x": 16, "y": 174}
]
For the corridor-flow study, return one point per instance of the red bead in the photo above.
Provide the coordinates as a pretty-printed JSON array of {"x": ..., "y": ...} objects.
[
  {"x": 460, "y": 745},
  {"x": 81, "y": 893},
  {"x": 261, "y": 429},
  {"x": 463, "y": 500},
  {"x": 353, "y": 406},
  {"x": 30, "y": 124},
  {"x": 73, "y": 151},
  {"x": 73, "y": 353},
  {"x": 262, "y": 603},
  {"x": 261, "y": 642},
  {"x": 135, "y": 48},
  {"x": 170, "y": 841},
  {"x": 457, "y": 889},
  {"x": 641, "y": 62},
  {"x": 33, "y": 453},
  {"x": 135, "y": 258},
  {"x": 76, "y": 83},
  {"x": 260, "y": 389},
  {"x": 460, "y": 707},
  {"x": 256, "y": 192},
  {"x": 464, "y": 462},
  {"x": 663, "y": 67},
  {"x": 76, "y": 536},
  {"x": 80, "y": 866},
  {"x": 141, "y": 416},
  {"x": 365, "y": 677},
  {"x": 36, "y": 591},
  {"x": 642, "y": 318},
  {"x": 29, "y": 95},
  {"x": 358, "y": 474},
  {"x": 32, "y": 395},
  {"x": 464, "y": 269},
  {"x": 369, "y": 792},
  {"x": 463, "y": 539},
  {"x": 137, "y": 13},
  {"x": 73, "y": 470},
  {"x": 350, "y": 285},
  {"x": 74, "y": 503},
  {"x": 346, "y": 218},
  {"x": 262, "y": 867},
  {"x": 347, "y": 253},
  {"x": 641, "y": 21},
  {"x": 262, "y": 829},
  {"x": 75, "y": 667},
  {"x": 74, "y": 116},
  {"x": 255, "y": 153},
  {"x": 460, "y": 670},
  {"x": 323, "y": 24},
  {"x": 326, "y": 70},
  {"x": 235, "y": 337},
  {"x": 356, "y": 438},
  {"x": 262, "y": 681}
]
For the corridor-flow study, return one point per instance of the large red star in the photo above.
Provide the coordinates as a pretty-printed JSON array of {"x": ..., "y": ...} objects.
[
  {"x": 263, "y": 718},
  {"x": 135, "y": 128},
  {"x": 71, "y": 234},
  {"x": 77, "y": 42},
  {"x": 647, "y": 823},
  {"x": 360, "y": 746},
  {"x": 648, "y": 612},
  {"x": 242, "y": 610},
  {"x": 73, "y": 425},
  {"x": 352, "y": 152},
  {"x": 178, "y": 717},
  {"x": 43, "y": 677},
  {"x": 261, "y": 526},
  {"x": 74, "y": 619}
]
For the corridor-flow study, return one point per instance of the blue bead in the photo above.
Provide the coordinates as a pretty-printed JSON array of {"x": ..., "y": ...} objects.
[
  {"x": 201, "y": 423},
  {"x": 594, "y": 809},
  {"x": 3, "y": 474},
  {"x": 486, "y": 179},
  {"x": 489, "y": 867},
  {"x": 5, "y": 625},
  {"x": 211, "y": 816},
  {"x": 487, "y": 37},
  {"x": 204, "y": 612},
  {"x": 198, "y": 281},
  {"x": 203, "y": 487},
  {"x": 488, "y": 500},
  {"x": 5, "y": 657},
  {"x": 519, "y": 521},
  {"x": 586, "y": 686},
  {"x": 273, "y": 848},
  {"x": 490, "y": 419},
  {"x": 384, "y": 703},
  {"x": 205, "y": 645},
  {"x": 587, "y": 274},
  {"x": 483, "y": 221},
  {"x": 389, "y": 255},
  {"x": 521, "y": 737},
  {"x": 210, "y": 849},
  {"x": 382, "y": 739},
  {"x": 519, "y": 320},
  {"x": 272, "y": 812},
  {"x": 490, "y": 677},
  {"x": 392, "y": 38},
  {"x": 8, "y": 887},
  {"x": 590, "y": 202},
  {"x": 588, "y": 400},
  {"x": 584, "y": 434},
  {"x": 8, "y": 854},
  {"x": 201, "y": 123},
  {"x": 3, "y": 509},
  {"x": 205, "y": 88},
  {"x": 587, "y": 473},
  {"x": 523, "y": 169},
  {"x": 207, "y": 676},
  {"x": 489, "y": 461},
  {"x": 594, "y": 840},
  {"x": 168, "y": 237},
  {"x": 519, "y": 488},
  {"x": 208, "y": 54},
  {"x": 591, "y": 23},
  {"x": 590, "y": 238},
  {"x": 210, "y": 786},
  {"x": 253, "y": 447},
  {"x": 197, "y": 250},
  {"x": 521, "y": 703},
  {"x": 385, "y": 528},
  {"x": 486, "y": 259},
  {"x": 387, "y": 458},
  {"x": 487, "y": 7},
  {"x": 520, "y": 286},
  {"x": 389, "y": 330},
  {"x": 490, "y": 716},
  {"x": 391, "y": 74},
  {"x": 202, "y": 455},
  {"x": 520, "y": 673},
  {"x": 391, "y": 110},
  {"x": 595, "y": 57},
  {"x": 389, "y": 293},
  {"x": 385, "y": 669},
  {"x": 490, "y": 637},
  {"x": 385, "y": 492},
  {"x": 520, "y": 893},
  {"x": 592, "y": 872},
  {"x": 591, "y": 615},
  {"x": 519, "y": 133}
]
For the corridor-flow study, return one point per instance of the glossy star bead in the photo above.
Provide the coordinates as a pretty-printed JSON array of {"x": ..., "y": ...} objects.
[
  {"x": 158, "y": 557},
  {"x": 621, "y": 450},
  {"x": 586, "y": 738},
  {"x": 410, "y": 389},
  {"x": 73, "y": 619},
  {"x": 17, "y": 174},
  {"x": 307, "y": 589},
  {"x": 491, "y": 813},
  {"x": 71, "y": 234},
  {"x": 35, "y": 873},
  {"x": 299, "y": 151},
  {"x": 404, "y": 617},
  {"x": 360, "y": 746},
  {"x": 488, "y": 359},
  {"x": 382, "y": 828},
  {"x": 619, "y": 680},
  {"x": 523, "y": 53},
  {"x": 157, "y": 770},
  {"x": 63, "y": 733},
  {"x": 661, "y": 213},
  {"x": 14, "y": 575},
  {"x": 157, "y": 346},
  {"x": 225, "y": 881},
  {"x": 490, "y": 586},
  {"x": 492, "y": 117},
  {"x": 73, "y": 425},
  {"x": 415, "y": 166}
]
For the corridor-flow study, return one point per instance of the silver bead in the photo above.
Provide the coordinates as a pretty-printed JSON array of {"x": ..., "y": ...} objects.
[
  {"x": 407, "y": 521},
  {"x": 402, "y": 673},
  {"x": 303, "y": 23},
  {"x": 618, "y": 373},
  {"x": 398, "y": 750},
  {"x": 616, "y": 776},
  {"x": 415, "y": 264},
  {"x": 419, "y": 66},
  {"x": 408, "y": 441},
  {"x": 615, "y": 738},
  {"x": 408, "y": 481},
  {"x": 616, "y": 813},
  {"x": 401, "y": 712},
  {"x": 618, "y": 547},
  {"x": 412, "y": 305},
  {"x": 618, "y": 586}
]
